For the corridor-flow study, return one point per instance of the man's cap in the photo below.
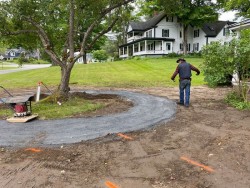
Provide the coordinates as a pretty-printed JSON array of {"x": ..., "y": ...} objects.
[{"x": 180, "y": 59}]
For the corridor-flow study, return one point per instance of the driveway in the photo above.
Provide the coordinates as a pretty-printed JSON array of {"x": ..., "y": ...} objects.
[
  {"x": 147, "y": 111},
  {"x": 24, "y": 67}
]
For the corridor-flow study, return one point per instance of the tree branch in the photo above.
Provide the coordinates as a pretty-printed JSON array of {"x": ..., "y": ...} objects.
[
  {"x": 98, "y": 20},
  {"x": 18, "y": 32},
  {"x": 46, "y": 42},
  {"x": 103, "y": 32},
  {"x": 107, "y": 10}
]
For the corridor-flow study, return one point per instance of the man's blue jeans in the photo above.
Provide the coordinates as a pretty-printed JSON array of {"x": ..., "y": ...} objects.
[{"x": 184, "y": 87}]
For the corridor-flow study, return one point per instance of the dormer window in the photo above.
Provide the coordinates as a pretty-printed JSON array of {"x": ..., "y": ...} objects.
[{"x": 169, "y": 19}]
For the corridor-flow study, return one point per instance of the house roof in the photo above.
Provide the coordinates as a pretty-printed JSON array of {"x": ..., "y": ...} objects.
[
  {"x": 213, "y": 29},
  {"x": 143, "y": 26},
  {"x": 19, "y": 50},
  {"x": 241, "y": 25}
]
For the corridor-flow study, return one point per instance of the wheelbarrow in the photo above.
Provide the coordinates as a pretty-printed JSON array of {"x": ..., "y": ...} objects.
[{"x": 20, "y": 105}]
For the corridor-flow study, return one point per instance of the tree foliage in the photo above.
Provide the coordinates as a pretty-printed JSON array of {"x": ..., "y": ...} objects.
[
  {"x": 223, "y": 60},
  {"x": 61, "y": 27},
  {"x": 100, "y": 55},
  {"x": 241, "y": 6}
]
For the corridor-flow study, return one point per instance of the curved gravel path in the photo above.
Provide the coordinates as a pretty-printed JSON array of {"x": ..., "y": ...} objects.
[{"x": 148, "y": 111}]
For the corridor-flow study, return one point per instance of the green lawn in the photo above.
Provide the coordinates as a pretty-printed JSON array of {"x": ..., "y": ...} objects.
[{"x": 147, "y": 72}]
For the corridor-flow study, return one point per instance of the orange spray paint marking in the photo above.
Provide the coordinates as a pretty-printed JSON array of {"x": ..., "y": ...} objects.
[
  {"x": 110, "y": 184},
  {"x": 125, "y": 136},
  {"x": 207, "y": 168},
  {"x": 33, "y": 150}
]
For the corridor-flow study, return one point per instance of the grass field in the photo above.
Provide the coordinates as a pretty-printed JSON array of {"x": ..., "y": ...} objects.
[{"x": 147, "y": 72}]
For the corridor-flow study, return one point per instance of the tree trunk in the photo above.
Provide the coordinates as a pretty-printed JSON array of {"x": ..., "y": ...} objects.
[
  {"x": 84, "y": 58},
  {"x": 185, "y": 31},
  {"x": 64, "y": 84}
]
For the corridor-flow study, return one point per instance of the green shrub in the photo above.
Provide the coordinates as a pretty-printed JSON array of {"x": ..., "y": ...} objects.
[
  {"x": 237, "y": 101},
  {"x": 173, "y": 55},
  {"x": 218, "y": 64},
  {"x": 100, "y": 55}
]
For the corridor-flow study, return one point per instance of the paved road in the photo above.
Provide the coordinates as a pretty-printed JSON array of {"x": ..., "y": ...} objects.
[
  {"x": 148, "y": 111},
  {"x": 23, "y": 68}
]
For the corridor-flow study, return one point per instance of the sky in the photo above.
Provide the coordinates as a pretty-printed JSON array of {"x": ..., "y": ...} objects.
[{"x": 227, "y": 16}]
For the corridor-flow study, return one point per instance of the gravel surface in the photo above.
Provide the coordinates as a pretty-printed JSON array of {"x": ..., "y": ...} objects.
[{"x": 147, "y": 111}]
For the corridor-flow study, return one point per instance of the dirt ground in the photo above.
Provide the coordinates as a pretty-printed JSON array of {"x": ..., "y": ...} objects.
[{"x": 205, "y": 146}]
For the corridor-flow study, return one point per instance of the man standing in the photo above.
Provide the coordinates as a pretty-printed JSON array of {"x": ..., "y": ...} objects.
[{"x": 184, "y": 70}]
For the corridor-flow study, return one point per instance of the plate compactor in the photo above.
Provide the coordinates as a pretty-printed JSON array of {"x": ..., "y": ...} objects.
[{"x": 20, "y": 105}]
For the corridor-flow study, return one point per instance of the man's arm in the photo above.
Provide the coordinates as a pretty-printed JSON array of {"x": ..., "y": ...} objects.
[
  {"x": 195, "y": 69},
  {"x": 175, "y": 73}
]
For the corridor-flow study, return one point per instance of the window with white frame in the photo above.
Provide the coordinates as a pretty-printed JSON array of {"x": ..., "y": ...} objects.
[
  {"x": 165, "y": 32},
  {"x": 169, "y": 19},
  {"x": 196, "y": 47},
  {"x": 196, "y": 33},
  {"x": 149, "y": 33},
  {"x": 136, "y": 48},
  {"x": 226, "y": 31},
  {"x": 151, "y": 46},
  {"x": 181, "y": 47},
  {"x": 130, "y": 35},
  {"x": 188, "y": 47},
  {"x": 168, "y": 46},
  {"x": 12, "y": 53}
]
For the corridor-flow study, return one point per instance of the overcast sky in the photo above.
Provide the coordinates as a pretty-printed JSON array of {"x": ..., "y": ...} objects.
[{"x": 227, "y": 16}]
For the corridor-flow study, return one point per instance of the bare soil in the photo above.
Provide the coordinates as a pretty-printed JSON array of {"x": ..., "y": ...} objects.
[{"x": 209, "y": 132}]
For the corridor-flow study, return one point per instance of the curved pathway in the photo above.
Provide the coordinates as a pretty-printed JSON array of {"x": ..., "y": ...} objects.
[{"x": 147, "y": 111}]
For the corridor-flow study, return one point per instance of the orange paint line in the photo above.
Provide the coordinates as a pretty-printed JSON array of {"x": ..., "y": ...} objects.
[
  {"x": 110, "y": 184},
  {"x": 33, "y": 150},
  {"x": 125, "y": 136},
  {"x": 207, "y": 168}
]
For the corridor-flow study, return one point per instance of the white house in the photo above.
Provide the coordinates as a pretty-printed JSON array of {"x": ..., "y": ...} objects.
[
  {"x": 15, "y": 53},
  {"x": 237, "y": 27},
  {"x": 89, "y": 58},
  {"x": 162, "y": 35}
]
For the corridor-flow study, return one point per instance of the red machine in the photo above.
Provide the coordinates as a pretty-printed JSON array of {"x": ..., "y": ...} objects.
[{"x": 20, "y": 105}]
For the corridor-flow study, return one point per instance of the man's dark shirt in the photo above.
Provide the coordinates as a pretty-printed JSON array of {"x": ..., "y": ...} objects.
[{"x": 184, "y": 71}]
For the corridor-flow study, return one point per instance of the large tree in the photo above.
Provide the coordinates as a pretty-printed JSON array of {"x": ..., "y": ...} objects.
[
  {"x": 241, "y": 6},
  {"x": 188, "y": 12},
  {"x": 62, "y": 27}
]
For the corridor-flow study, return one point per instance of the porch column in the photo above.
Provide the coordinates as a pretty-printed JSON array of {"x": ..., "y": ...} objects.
[
  {"x": 127, "y": 51},
  {"x": 133, "y": 50},
  {"x": 139, "y": 47},
  {"x": 145, "y": 46}
]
